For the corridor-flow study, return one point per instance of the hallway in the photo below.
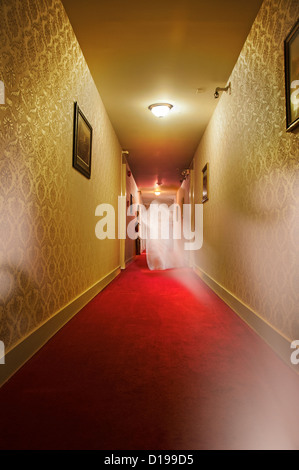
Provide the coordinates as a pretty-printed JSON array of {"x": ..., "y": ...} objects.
[
  {"x": 152, "y": 363},
  {"x": 107, "y": 111}
]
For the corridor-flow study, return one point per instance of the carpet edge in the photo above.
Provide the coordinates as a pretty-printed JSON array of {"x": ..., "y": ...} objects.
[
  {"x": 275, "y": 339},
  {"x": 23, "y": 351}
]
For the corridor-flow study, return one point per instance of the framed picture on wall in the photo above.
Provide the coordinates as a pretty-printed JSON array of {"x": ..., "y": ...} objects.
[
  {"x": 205, "y": 183},
  {"x": 82, "y": 142},
  {"x": 291, "y": 51}
]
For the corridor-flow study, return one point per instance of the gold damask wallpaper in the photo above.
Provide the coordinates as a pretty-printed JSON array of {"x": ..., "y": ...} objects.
[
  {"x": 251, "y": 220},
  {"x": 48, "y": 255}
]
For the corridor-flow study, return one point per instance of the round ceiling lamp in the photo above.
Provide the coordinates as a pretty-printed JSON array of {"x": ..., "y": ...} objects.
[
  {"x": 160, "y": 109},
  {"x": 157, "y": 189}
]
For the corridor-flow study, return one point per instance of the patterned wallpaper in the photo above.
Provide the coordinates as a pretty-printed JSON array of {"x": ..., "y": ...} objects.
[
  {"x": 49, "y": 254},
  {"x": 251, "y": 220}
]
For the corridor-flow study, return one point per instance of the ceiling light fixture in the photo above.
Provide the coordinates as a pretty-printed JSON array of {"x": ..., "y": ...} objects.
[
  {"x": 157, "y": 189},
  {"x": 160, "y": 109}
]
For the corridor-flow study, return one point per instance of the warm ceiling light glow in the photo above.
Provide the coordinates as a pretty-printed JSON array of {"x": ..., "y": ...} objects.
[
  {"x": 160, "y": 109},
  {"x": 157, "y": 192}
]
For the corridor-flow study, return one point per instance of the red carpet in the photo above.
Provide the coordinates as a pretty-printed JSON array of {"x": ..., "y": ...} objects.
[{"x": 149, "y": 365}]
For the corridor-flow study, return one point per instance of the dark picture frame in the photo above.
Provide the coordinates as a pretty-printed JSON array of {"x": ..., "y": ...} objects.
[
  {"x": 291, "y": 57},
  {"x": 82, "y": 142},
  {"x": 205, "y": 183}
]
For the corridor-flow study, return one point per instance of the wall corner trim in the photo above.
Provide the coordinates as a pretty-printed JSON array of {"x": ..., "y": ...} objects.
[
  {"x": 16, "y": 357},
  {"x": 130, "y": 261},
  {"x": 275, "y": 339}
]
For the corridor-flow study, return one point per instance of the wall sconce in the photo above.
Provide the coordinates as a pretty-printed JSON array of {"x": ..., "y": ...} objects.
[
  {"x": 184, "y": 174},
  {"x": 228, "y": 88},
  {"x": 160, "y": 109},
  {"x": 2, "y": 93}
]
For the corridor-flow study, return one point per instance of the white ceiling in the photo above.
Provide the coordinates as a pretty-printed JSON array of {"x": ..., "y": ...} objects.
[{"x": 143, "y": 52}]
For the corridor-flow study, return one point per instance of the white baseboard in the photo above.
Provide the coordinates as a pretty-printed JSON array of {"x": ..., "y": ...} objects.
[
  {"x": 23, "y": 351},
  {"x": 275, "y": 339}
]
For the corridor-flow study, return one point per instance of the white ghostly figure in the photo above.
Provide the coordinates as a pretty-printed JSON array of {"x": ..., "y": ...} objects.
[{"x": 163, "y": 250}]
